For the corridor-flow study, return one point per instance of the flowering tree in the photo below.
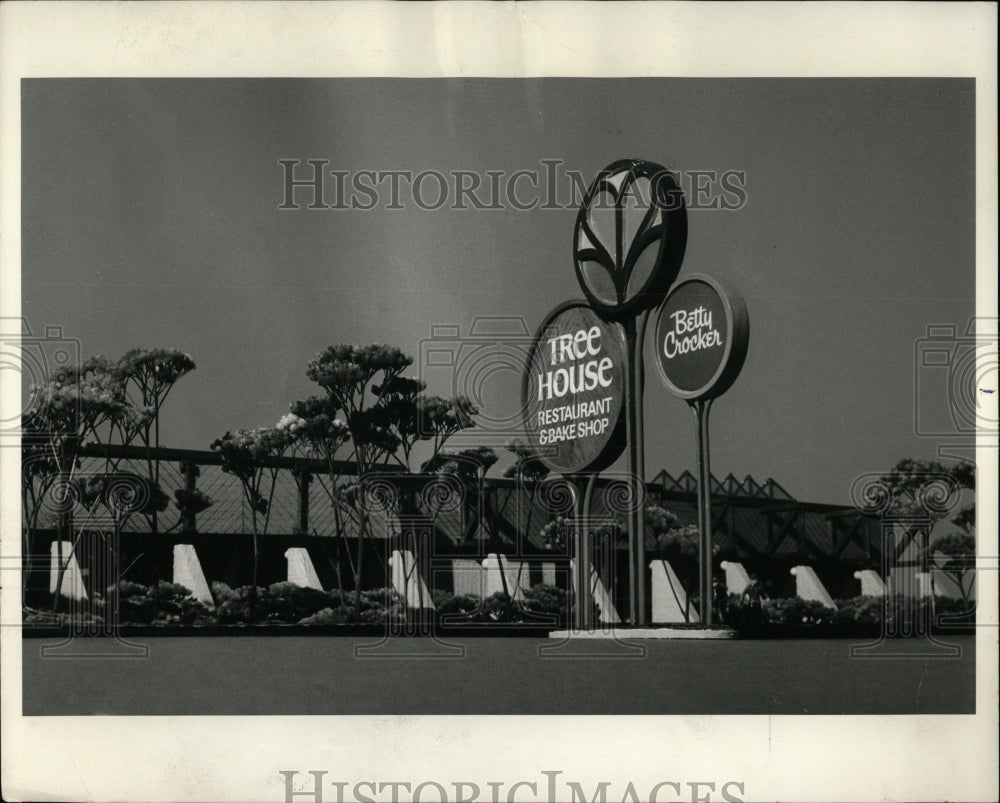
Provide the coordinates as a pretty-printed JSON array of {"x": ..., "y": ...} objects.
[
  {"x": 73, "y": 404},
  {"x": 348, "y": 375},
  {"x": 320, "y": 434},
  {"x": 95, "y": 401},
  {"x": 441, "y": 418},
  {"x": 368, "y": 404},
  {"x": 252, "y": 456},
  {"x": 146, "y": 377}
]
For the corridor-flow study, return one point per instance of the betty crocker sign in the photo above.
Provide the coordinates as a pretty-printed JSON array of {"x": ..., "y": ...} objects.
[{"x": 702, "y": 334}]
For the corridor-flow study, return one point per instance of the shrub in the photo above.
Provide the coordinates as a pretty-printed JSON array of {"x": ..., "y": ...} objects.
[
  {"x": 541, "y": 603},
  {"x": 855, "y": 615},
  {"x": 379, "y": 597},
  {"x": 163, "y": 603},
  {"x": 341, "y": 615},
  {"x": 134, "y": 603},
  {"x": 169, "y": 604},
  {"x": 473, "y": 608},
  {"x": 547, "y": 599},
  {"x": 221, "y": 592},
  {"x": 499, "y": 607},
  {"x": 466, "y": 605},
  {"x": 947, "y": 606},
  {"x": 175, "y": 605},
  {"x": 381, "y": 605},
  {"x": 279, "y": 603},
  {"x": 287, "y": 602},
  {"x": 292, "y": 604},
  {"x": 303, "y": 602},
  {"x": 859, "y": 611},
  {"x": 796, "y": 612},
  {"x": 88, "y": 616},
  {"x": 232, "y": 605}
]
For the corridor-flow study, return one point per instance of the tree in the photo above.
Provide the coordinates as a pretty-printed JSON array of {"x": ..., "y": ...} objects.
[
  {"x": 348, "y": 375},
  {"x": 321, "y": 435},
  {"x": 252, "y": 456},
  {"x": 955, "y": 555},
  {"x": 146, "y": 376},
  {"x": 71, "y": 405},
  {"x": 107, "y": 402},
  {"x": 910, "y": 481},
  {"x": 382, "y": 415}
]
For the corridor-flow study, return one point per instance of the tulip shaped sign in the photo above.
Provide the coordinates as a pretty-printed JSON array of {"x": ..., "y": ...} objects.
[
  {"x": 572, "y": 390},
  {"x": 630, "y": 237}
]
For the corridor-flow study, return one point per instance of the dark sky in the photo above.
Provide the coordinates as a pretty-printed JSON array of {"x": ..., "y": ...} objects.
[{"x": 150, "y": 217}]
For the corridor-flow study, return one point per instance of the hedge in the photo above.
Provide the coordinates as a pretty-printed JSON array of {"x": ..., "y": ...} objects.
[
  {"x": 169, "y": 604},
  {"x": 285, "y": 603},
  {"x": 860, "y": 615}
]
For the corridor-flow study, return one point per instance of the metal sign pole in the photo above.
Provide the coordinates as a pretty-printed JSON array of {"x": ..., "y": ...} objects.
[
  {"x": 701, "y": 409},
  {"x": 640, "y": 462},
  {"x": 636, "y": 533},
  {"x": 583, "y": 493},
  {"x": 579, "y": 579},
  {"x": 585, "y": 535}
]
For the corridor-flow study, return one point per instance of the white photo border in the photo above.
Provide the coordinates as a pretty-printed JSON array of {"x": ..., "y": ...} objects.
[{"x": 238, "y": 758}]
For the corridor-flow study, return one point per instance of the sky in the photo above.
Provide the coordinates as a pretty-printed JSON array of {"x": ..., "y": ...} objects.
[{"x": 150, "y": 217}]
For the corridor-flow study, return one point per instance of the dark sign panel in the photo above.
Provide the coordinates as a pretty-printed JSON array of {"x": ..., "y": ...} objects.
[
  {"x": 702, "y": 334},
  {"x": 572, "y": 390}
]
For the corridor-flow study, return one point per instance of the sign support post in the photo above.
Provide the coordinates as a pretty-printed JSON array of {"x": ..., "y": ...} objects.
[
  {"x": 634, "y": 390},
  {"x": 639, "y": 369},
  {"x": 701, "y": 409},
  {"x": 582, "y": 607},
  {"x": 636, "y": 536},
  {"x": 702, "y": 337}
]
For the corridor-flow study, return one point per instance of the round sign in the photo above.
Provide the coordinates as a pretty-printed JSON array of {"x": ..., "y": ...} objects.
[
  {"x": 702, "y": 334},
  {"x": 630, "y": 236},
  {"x": 573, "y": 389}
]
